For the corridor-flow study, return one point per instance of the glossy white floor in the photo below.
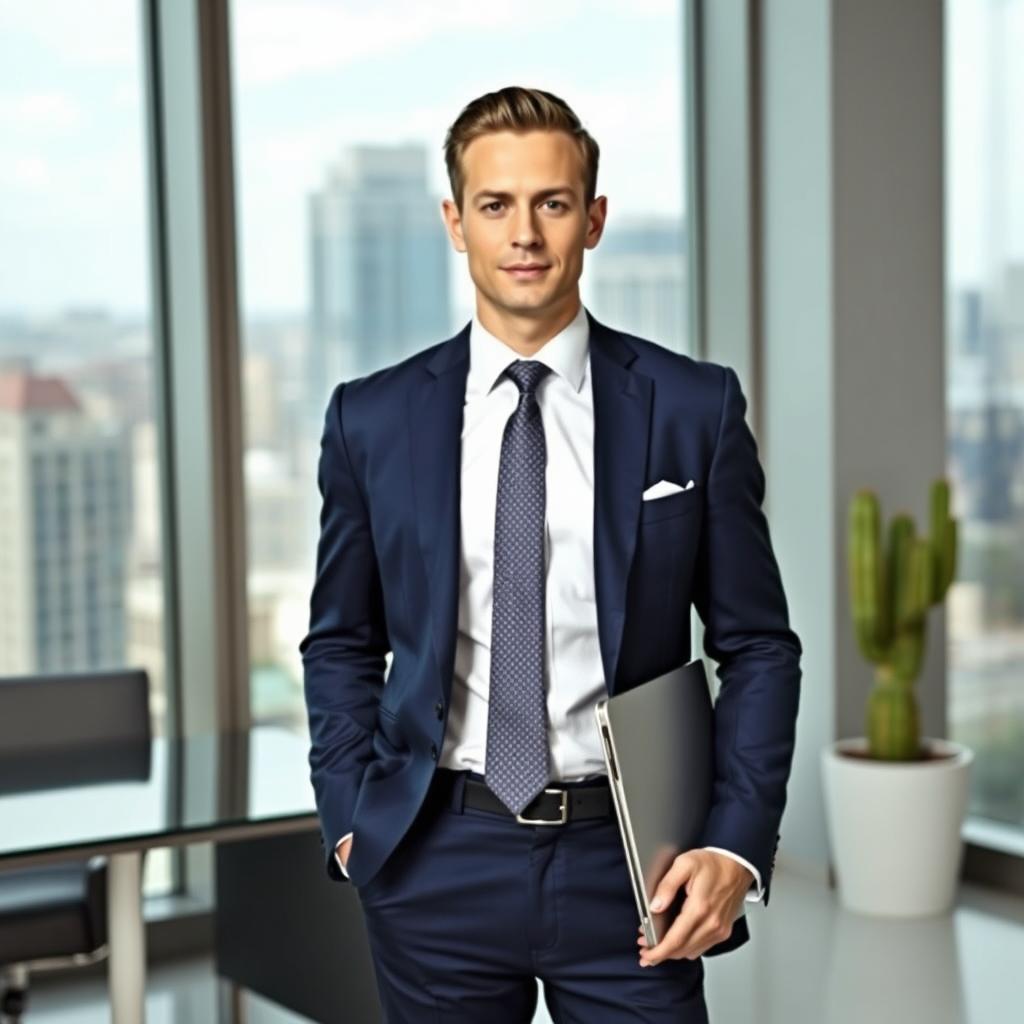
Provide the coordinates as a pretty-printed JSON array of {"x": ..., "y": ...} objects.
[{"x": 808, "y": 962}]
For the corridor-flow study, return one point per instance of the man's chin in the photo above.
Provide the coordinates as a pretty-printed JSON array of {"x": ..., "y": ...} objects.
[{"x": 527, "y": 302}]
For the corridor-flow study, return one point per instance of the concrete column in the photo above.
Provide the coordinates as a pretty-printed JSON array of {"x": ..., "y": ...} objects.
[{"x": 853, "y": 326}]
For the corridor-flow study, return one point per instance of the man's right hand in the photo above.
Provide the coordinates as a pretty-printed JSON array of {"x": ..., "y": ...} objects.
[{"x": 343, "y": 849}]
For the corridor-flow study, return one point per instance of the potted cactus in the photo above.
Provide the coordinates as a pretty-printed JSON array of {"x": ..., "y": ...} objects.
[{"x": 895, "y": 800}]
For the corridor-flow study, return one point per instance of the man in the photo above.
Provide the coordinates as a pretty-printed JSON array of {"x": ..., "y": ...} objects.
[{"x": 485, "y": 521}]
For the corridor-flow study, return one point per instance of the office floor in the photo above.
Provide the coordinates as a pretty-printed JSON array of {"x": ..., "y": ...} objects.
[{"x": 808, "y": 962}]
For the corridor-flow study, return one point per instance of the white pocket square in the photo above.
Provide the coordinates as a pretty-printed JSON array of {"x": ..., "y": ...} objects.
[{"x": 664, "y": 487}]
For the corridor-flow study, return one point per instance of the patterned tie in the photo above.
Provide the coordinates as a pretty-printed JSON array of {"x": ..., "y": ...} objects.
[{"x": 516, "y": 765}]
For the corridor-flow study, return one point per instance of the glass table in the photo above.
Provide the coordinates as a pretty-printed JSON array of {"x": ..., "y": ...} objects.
[{"x": 119, "y": 801}]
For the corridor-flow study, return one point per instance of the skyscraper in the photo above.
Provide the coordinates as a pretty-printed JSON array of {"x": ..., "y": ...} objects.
[
  {"x": 637, "y": 279},
  {"x": 65, "y": 505},
  {"x": 379, "y": 258}
]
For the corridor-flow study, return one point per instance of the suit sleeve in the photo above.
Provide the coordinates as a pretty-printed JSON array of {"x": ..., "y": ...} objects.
[
  {"x": 344, "y": 652},
  {"x": 739, "y": 597}
]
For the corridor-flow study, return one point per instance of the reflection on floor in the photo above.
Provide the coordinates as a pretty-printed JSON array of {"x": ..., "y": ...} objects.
[{"x": 808, "y": 962}]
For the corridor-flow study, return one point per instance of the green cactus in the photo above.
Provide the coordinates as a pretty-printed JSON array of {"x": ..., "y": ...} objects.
[{"x": 890, "y": 594}]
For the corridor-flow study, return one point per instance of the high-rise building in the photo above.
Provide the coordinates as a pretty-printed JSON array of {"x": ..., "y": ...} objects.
[
  {"x": 65, "y": 508},
  {"x": 379, "y": 258},
  {"x": 636, "y": 279}
]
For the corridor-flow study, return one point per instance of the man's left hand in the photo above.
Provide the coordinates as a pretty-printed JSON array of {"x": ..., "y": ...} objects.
[{"x": 716, "y": 888}]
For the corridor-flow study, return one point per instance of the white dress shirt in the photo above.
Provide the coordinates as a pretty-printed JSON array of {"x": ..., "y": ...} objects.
[{"x": 572, "y": 655}]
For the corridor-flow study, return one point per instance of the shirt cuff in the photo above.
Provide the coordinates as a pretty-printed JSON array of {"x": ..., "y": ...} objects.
[
  {"x": 756, "y": 890},
  {"x": 336, "y": 857}
]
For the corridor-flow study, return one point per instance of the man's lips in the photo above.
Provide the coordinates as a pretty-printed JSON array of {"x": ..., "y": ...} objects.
[{"x": 526, "y": 273}]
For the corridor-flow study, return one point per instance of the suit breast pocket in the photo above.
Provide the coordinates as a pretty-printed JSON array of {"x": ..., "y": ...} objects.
[{"x": 679, "y": 503}]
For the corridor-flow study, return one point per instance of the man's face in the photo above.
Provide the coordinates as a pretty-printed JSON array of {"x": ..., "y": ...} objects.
[{"x": 523, "y": 204}]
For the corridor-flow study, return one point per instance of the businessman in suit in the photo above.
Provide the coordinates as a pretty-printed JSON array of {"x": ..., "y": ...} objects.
[{"x": 510, "y": 515}]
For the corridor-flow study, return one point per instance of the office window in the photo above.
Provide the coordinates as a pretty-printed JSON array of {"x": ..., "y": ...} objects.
[
  {"x": 81, "y": 576},
  {"x": 985, "y": 365},
  {"x": 340, "y": 114}
]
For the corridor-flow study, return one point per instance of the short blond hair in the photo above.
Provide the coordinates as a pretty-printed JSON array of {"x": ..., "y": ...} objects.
[{"x": 518, "y": 109}]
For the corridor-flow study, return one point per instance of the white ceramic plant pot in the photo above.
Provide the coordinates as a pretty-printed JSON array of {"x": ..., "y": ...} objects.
[{"x": 894, "y": 827}]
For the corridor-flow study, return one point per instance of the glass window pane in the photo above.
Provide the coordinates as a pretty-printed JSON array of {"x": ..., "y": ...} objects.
[
  {"x": 80, "y": 543},
  {"x": 340, "y": 116},
  {"x": 985, "y": 365}
]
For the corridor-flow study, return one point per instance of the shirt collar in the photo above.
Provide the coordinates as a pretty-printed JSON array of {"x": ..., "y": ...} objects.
[{"x": 566, "y": 354}]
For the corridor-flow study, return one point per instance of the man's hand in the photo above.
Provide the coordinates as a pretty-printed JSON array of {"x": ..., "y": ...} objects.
[
  {"x": 716, "y": 888},
  {"x": 344, "y": 848}
]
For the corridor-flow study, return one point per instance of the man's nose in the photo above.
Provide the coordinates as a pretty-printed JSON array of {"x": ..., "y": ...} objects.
[{"x": 526, "y": 232}]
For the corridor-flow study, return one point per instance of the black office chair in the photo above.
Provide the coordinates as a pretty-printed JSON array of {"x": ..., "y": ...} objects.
[{"x": 58, "y": 731}]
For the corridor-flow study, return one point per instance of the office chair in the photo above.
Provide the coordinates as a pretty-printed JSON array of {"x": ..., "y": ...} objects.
[{"x": 58, "y": 731}]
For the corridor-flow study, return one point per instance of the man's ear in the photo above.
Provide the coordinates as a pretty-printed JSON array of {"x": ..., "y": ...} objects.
[
  {"x": 453, "y": 224},
  {"x": 597, "y": 215}
]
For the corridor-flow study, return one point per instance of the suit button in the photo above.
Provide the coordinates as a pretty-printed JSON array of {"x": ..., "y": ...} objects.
[
  {"x": 433, "y": 751},
  {"x": 439, "y": 708}
]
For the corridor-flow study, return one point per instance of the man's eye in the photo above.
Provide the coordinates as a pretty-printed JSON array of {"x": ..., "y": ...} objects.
[{"x": 497, "y": 202}]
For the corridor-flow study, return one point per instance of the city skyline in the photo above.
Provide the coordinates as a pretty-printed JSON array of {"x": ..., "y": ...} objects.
[
  {"x": 64, "y": 89},
  {"x": 103, "y": 495},
  {"x": 73, "y": 230}
]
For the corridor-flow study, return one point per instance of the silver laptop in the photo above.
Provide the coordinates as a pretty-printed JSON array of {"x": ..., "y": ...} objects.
[{"x": 658, "y": 741}]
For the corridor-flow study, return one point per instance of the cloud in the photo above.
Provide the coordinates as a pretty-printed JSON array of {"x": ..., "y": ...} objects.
[
  {"x": 647, "y": 111},
  {"x": 41, "y": 113},
  {"x": 27, "y": 173},
  {"x": 100, "y": 33},
  {"x": 277, "y": 40},
  {"x": 102, "y": 192}
]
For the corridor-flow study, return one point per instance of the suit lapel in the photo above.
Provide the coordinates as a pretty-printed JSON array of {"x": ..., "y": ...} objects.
[
  {"x": 435, "y": 446},
  {"x": 622, "y": 402},
  {"x": 622, "y": 406}
]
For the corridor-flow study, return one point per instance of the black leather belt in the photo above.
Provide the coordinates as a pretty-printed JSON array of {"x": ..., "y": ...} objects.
[{"x": 555, "y": 805}]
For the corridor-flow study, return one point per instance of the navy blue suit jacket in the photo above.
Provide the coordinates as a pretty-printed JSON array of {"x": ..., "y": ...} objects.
[{"x": 387, "y": 579}]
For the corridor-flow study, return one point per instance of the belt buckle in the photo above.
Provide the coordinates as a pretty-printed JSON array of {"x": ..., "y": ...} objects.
[{"x": 564, "y": 810}]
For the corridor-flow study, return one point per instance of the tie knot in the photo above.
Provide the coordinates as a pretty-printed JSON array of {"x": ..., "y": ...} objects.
[{"x": 527, "y": 373}]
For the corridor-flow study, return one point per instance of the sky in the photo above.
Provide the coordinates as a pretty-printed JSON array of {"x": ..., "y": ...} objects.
[
  {"x": 309, "y": 77},
  {"x": 312, "y": 75}
]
